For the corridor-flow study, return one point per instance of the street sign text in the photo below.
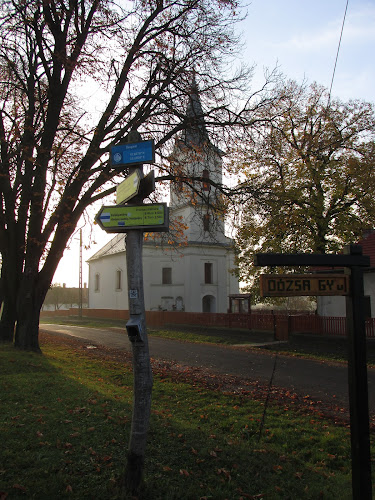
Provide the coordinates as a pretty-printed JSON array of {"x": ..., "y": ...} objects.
[
  {"x": 151, "y": 217},
  {"x": 133, "y": 152},
  {"x": 281, "y": 285}
]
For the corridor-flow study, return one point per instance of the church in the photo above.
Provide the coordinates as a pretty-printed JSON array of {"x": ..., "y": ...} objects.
[{"x": 195, "y": 276}]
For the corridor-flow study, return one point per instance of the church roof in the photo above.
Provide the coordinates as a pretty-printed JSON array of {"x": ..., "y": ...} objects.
[
  {"x": 117, "y": 245},
  {"x": 114, "y": 246}
]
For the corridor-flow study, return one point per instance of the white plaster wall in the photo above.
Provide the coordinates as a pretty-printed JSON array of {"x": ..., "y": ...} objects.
[
  {"x": 187, "y": 278},
  {"x": 336, "y": 306},
  {"x": 331, "y": 306},
  {"x": 369, "y": 286},
  {"x": 108, "y": 297}
]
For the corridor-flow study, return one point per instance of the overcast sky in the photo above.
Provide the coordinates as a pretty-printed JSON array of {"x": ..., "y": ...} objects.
[{"x": 301, "y": 37}]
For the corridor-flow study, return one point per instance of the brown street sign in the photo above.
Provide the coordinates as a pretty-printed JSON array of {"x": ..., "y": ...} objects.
[{"x": 291, "y": 285}]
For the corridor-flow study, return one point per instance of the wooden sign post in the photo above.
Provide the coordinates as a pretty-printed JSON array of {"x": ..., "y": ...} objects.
[
  {"x": 134, "y": 220},
  {"x": 351, "y": 285}
]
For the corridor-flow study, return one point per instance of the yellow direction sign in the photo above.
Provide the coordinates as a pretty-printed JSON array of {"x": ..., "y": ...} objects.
[
  {"x": 284, "y": 285},
  {"x": 119, "y": 219},
  {"x": 128, "y": 188}
]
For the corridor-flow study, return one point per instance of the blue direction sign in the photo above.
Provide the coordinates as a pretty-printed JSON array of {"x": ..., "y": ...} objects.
[{"x": 133, "y": 152}]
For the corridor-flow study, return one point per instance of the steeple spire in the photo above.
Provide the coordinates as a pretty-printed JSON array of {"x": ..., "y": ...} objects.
[{"x": 195, "y": 131}]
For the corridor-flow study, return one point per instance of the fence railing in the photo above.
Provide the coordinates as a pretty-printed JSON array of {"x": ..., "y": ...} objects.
[{"x": 300, "y": 323}]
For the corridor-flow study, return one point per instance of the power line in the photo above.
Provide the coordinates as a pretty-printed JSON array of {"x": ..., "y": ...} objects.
[{"x": 338, "y": 50}]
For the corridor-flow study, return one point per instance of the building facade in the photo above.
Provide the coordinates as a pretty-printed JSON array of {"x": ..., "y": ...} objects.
[{"x": 197, "y": 275}]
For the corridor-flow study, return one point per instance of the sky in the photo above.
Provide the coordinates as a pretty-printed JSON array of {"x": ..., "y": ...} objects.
[{"x": 301, "y": 38}]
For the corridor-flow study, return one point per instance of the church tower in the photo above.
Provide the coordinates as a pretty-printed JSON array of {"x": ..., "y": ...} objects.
[{"x": 196, "y": 159}]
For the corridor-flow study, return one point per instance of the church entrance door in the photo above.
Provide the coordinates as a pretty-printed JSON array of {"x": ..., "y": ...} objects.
[{"x": 209, "y": 304}]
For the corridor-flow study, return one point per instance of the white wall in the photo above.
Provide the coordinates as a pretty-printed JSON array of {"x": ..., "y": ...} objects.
[
  {"x": 188, "y": 279},
  {"x": 336, "y": 306}
]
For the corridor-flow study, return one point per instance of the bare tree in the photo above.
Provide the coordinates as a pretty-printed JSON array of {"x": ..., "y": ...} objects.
[{"x": 139, "y": 58}]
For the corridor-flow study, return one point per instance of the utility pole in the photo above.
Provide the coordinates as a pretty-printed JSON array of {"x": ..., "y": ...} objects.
[{"x": 80, "y": 276}]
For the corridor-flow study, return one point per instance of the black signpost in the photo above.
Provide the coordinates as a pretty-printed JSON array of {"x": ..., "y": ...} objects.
[{"x": 355, "y": 262}]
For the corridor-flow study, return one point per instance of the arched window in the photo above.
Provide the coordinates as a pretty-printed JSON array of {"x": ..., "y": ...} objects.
[
  {"x": 118, "y": 279},
  {"x": 97, "y": 282}
]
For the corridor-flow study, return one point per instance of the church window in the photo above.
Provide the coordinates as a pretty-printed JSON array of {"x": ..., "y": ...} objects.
[
  {"x": 118, "y": 279},
  {"x": 208, "y": 272},
  {"x": 206, "y": 177},
  {"x": 97, "y": 282},
  {"x": 166, "y": 275},
  {"x": 206, "y": 222}
]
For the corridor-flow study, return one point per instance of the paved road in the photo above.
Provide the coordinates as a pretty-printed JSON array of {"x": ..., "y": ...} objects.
[{"x": 321, "y": 381}]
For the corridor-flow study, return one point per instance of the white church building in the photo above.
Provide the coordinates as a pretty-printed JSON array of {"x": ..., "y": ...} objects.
[{"x": 196, "y": 276}]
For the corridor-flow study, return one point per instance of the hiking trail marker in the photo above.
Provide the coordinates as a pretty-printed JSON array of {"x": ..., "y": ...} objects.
[{"x": 152, "y": 217}]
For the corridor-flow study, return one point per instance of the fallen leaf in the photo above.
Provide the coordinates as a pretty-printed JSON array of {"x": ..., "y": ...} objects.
[
  {"x": 277, "y": 468},
  {"x": 19, "y": 487}
]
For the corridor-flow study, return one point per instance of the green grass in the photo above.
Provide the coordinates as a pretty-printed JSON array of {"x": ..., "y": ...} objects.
[
  {"x": 208, "y": 335},
  {"x": 65, "y": 423}
]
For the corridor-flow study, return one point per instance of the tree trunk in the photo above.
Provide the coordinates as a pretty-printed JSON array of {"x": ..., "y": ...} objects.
[
  {"x": 29, "y": 303},
  {"x": 141, "y": 364},
  {"x": 8, "y": 312},
  {"x": 7, "y": 320}
]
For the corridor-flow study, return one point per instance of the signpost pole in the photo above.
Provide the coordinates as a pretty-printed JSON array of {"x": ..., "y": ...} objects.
[
  {"x": 358, "y": 387},
  {"x": 357, "y": 367},
  {"x": 136, "y": 327}
]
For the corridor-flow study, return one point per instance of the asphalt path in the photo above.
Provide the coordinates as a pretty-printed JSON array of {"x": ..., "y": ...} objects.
[{"x": 323, "y": 381}]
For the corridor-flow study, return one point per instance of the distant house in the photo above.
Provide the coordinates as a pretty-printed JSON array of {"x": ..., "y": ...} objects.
[
  {"x": 335, "y": 306},
  {"x": 198, "y": 277}
]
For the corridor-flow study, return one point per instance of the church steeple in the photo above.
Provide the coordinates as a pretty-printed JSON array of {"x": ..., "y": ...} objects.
[
  {"x": 196, "y": 158},
  {"x": 195, "y": 133}
]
